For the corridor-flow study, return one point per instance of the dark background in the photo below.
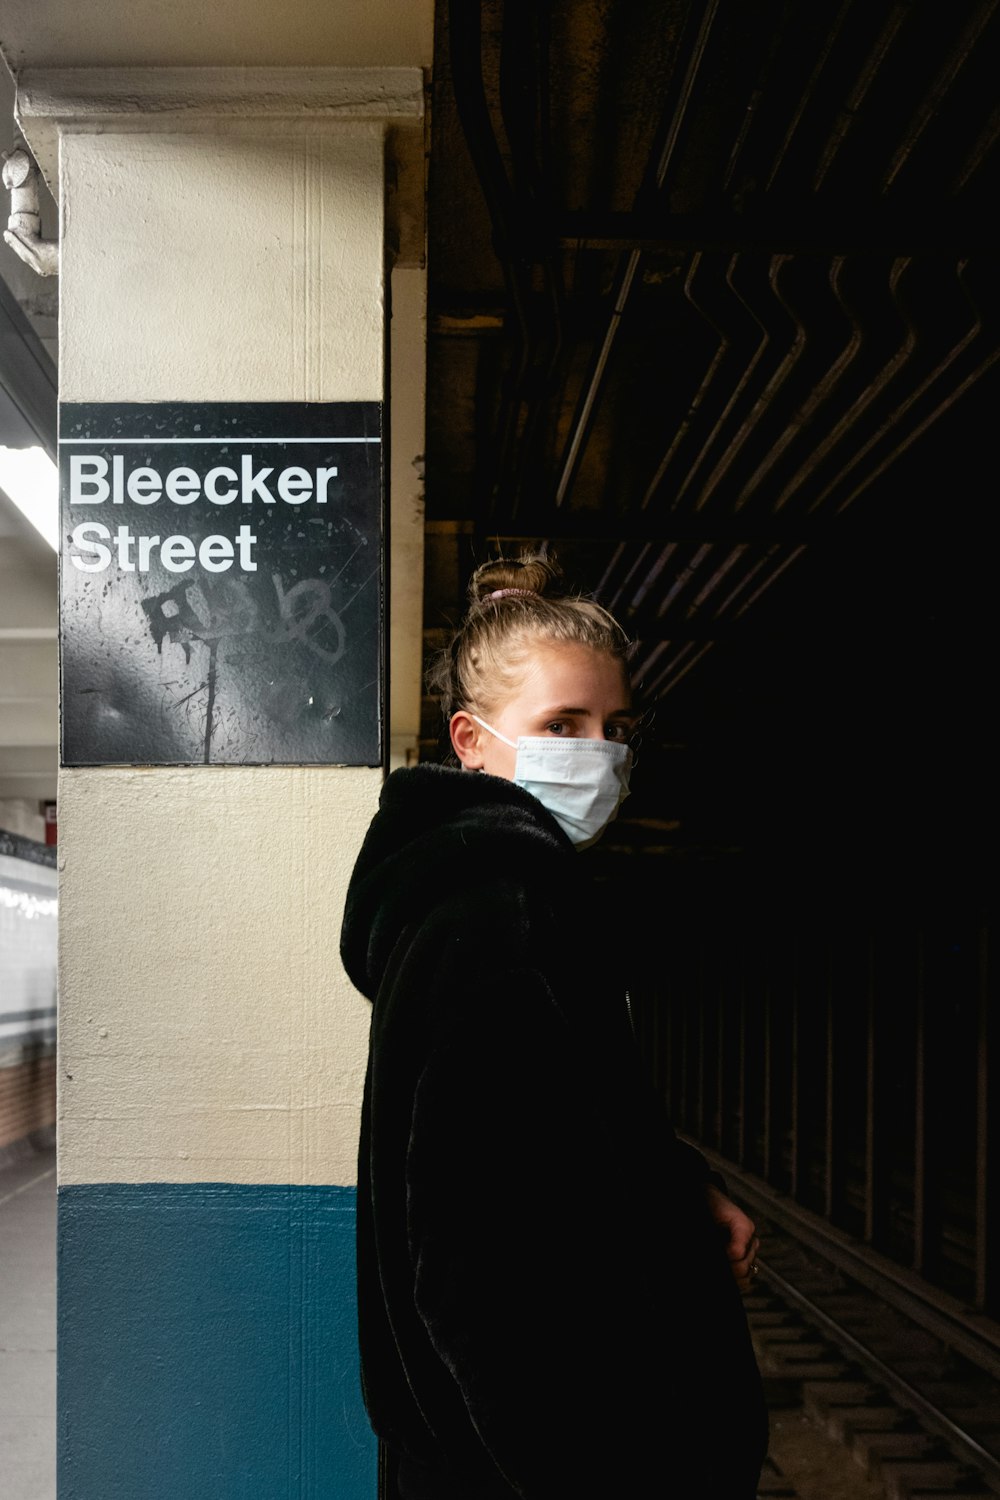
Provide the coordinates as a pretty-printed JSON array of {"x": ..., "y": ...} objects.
[{"x": 713, "y": 316}]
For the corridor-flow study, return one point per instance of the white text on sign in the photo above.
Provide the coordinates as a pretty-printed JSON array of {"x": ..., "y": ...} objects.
[{"x": 93, "y": 480}]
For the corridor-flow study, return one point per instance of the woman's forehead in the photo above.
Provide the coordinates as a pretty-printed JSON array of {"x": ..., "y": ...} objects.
[{"x": 568, "y": 674}]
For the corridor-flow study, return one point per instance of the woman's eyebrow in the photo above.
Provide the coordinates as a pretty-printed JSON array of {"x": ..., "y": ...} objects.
[{"x": 616, "y": 713}]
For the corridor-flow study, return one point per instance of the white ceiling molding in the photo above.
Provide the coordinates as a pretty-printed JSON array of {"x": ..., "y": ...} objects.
[{"x": 50, "y": 100}]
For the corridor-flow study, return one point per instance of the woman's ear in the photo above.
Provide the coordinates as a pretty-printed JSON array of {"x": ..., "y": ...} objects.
[{"x": 466, "y": 736}]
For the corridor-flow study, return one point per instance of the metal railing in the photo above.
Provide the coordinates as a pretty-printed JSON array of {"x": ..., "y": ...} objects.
[{"x": 848, "y": 1065}]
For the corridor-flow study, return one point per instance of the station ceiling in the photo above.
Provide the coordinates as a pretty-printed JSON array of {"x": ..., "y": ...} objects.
[{"x": 713, "y": 315}]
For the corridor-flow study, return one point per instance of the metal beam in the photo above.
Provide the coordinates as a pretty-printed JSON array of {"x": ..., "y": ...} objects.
[{"x": 776, "y": 232}]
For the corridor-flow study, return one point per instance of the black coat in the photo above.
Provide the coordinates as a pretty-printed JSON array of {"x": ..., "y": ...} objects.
[{"x": 545, "y": 1305}]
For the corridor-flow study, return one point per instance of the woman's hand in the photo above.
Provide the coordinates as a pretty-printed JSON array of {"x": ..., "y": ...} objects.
[{"x": 742, "y": 1243}]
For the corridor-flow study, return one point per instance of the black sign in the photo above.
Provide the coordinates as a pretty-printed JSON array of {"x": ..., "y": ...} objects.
[{"x": 221, "y": 584}]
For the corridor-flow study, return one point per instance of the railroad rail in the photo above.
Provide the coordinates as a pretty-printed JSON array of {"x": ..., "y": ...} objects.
[{"x": 902, "y": 1378}]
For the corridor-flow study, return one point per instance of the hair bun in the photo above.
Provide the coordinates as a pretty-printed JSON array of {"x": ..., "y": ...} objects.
[
  {"x": 528, "y": 574},
  {"x": 517, "y": 605}
]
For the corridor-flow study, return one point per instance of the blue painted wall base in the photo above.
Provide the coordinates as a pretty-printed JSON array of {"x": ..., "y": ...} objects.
[{"x": 208, "y": 1344}]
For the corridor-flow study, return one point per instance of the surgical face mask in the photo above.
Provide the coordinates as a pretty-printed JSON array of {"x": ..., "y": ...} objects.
[{"x": 582, "y": 783}]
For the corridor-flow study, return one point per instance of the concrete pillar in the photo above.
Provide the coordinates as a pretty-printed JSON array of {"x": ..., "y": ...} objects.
[
  {"x": 212, "y": 1051},
  {"x": 406, "y": 582}
]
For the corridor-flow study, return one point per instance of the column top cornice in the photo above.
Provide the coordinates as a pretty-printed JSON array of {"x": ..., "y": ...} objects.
[{"x": 52, "y": 100}]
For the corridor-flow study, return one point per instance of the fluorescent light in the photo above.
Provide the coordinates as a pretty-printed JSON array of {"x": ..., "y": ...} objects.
[{"x": 31, "y": 480}]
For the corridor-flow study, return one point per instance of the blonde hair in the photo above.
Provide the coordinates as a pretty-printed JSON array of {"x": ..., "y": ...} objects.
[{"x": 514, "y": 604}]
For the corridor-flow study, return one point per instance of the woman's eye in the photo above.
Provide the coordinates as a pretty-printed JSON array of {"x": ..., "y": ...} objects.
[
  {"x": 557, "y": 726},
  {"x": 615, "y": 732}
]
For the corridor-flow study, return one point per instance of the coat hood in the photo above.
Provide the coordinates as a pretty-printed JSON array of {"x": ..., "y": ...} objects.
[{"x": 439, "y": 831}]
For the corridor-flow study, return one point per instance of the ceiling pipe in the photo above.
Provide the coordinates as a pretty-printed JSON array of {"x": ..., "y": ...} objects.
[
  {"x": 584, "y": 415},
  {"x": 821, "y": 392},
  {"x": 23, "y": 232},
  {"x": 830, "y": 41},
  {"x": 940, "y": 89},
  {"x": 518, "y": 203},
  {"x": 524, "y": 106},
  {"x": 873, "y": 391},
  {"x": 957, "y": 349},
  {"x": 465, "y": 50},
  {"x": 694, "y": 408},
  {"x": 752, "y": 361},
  {"x": 775, "y": 383},
  {"x": 852, "y": 107}
]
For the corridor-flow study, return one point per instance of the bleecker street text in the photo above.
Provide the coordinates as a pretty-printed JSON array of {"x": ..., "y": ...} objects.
[
  {"x": 95, "y": 481},
  {"x": 89, "y": 483},
  {"x": 177, "y": 553}
]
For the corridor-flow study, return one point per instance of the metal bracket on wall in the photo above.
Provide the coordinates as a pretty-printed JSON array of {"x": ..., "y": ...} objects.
[{"x": 23, "y": 232}]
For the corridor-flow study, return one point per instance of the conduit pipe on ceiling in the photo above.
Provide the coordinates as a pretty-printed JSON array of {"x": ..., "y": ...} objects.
[
  {"x": 23, "y": 232},
  {"x": 625, "y": 276},
  {"x": 465, "y": 24}
]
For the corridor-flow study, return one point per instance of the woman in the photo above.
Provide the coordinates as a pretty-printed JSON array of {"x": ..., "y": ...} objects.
[{"x": 549, "y": 1281}]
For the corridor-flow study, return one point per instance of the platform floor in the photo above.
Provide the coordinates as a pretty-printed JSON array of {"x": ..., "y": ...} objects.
[{"x": 28, "y": 1328}]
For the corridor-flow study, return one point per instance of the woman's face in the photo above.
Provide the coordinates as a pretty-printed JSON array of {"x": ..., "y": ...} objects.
[{"x": 566, "y": 690}]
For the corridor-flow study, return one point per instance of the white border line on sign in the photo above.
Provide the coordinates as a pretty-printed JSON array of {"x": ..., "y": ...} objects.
[{"x": 155, "y": 441}]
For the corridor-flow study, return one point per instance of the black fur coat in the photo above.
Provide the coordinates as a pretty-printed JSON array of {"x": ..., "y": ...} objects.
[{"x": 546, "y": 1309}]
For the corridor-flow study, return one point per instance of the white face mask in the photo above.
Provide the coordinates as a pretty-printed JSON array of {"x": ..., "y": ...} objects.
[{"x": 582, "y": 783}]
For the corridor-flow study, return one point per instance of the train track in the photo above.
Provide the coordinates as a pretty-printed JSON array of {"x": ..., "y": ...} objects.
[{"x": 872, "y": 1392}]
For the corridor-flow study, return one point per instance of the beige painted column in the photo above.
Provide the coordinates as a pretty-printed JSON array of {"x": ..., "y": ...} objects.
[
  {"x": 408, "y": 358},
  {"x": 207, "y": 1029},
  {"x": 212, "y": 1051}
]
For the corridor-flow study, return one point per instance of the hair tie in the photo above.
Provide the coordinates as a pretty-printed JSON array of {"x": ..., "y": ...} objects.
[{"x": 502, "y": 593}]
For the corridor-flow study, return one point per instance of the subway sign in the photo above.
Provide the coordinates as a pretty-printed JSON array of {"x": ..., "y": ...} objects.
[{"x": 221, "y": 583}]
